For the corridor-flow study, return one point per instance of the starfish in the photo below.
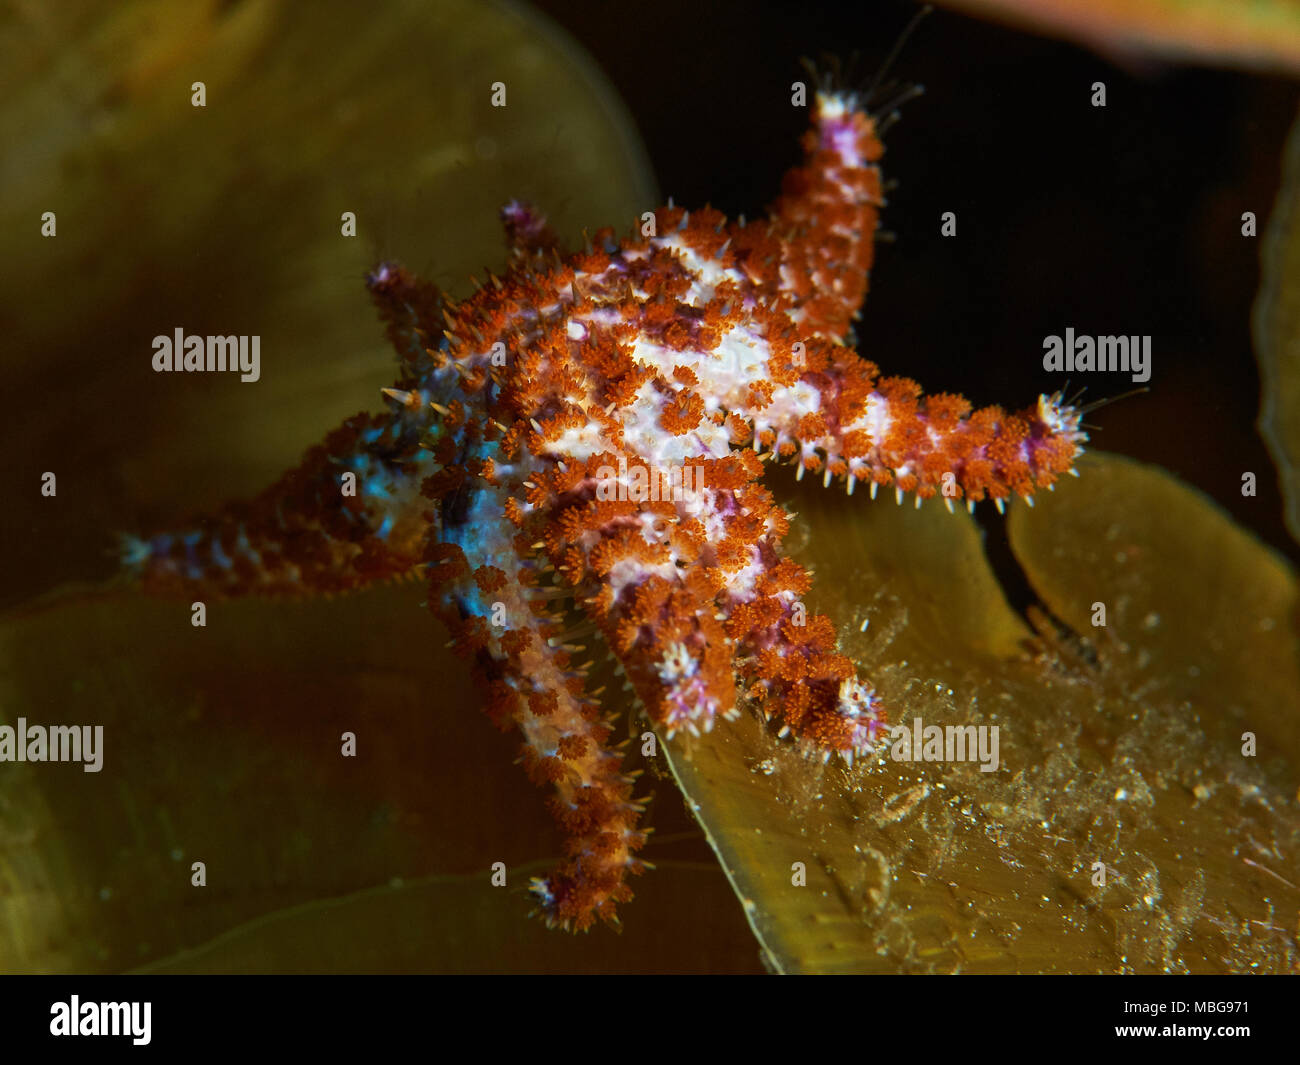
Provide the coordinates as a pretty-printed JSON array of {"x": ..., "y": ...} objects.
[{"x": 589, "y": 432}]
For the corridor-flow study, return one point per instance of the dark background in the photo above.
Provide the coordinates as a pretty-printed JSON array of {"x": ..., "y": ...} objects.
[{"x": 1124, "y": 219}]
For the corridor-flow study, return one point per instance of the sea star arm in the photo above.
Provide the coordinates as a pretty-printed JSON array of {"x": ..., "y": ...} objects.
[
  {"x": 693, "y": 597},
  {"x": 500, "y": 617},
  {"x": 489, "y": 583},
  {"x": 827, "y": 216},
  {"x": 316, "y": 530},
  {"x": 350, "y": 513},
  {"x": 838, "y": 416}
]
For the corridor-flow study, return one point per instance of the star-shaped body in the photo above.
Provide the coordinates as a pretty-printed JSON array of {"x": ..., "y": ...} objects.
[{"x": 590, "y": 431}]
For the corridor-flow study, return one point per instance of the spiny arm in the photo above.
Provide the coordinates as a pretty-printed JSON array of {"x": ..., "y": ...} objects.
[
  {"x": 827, "y": 215},
  {"x": 309, "y": 532},
  {"x": 485, "y": 584},
  {"x": 831, "y": 411},
  {"x": 684, "y": 586},
  {"x": 348, "y": 515}
]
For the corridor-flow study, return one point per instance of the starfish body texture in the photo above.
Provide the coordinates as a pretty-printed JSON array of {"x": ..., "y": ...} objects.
[{"x": 591, "y": 430}]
